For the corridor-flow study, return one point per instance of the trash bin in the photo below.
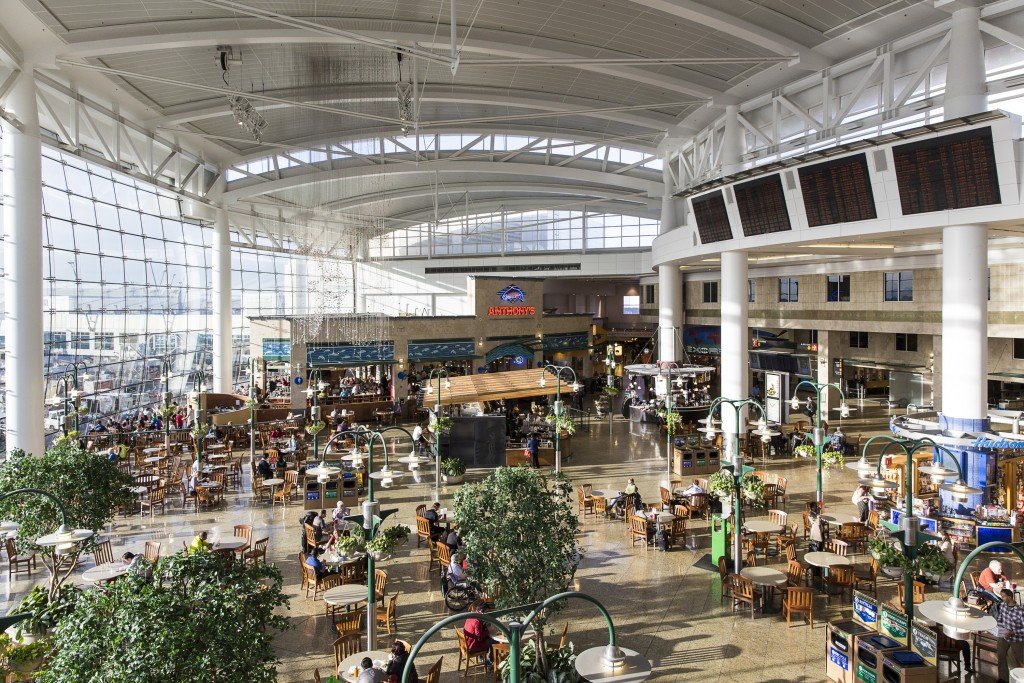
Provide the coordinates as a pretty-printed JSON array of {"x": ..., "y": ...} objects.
[{"x": 720, "y": 539}]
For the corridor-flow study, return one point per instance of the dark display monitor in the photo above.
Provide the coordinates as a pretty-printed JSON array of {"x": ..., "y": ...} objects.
[
  {"x": 712, "y": 218},
  {"x": 762, "y": 206},
  {"x": 950, "y": 172},
  {"x": 837, "y": 191},
  {"x": 991, "y": 534}
]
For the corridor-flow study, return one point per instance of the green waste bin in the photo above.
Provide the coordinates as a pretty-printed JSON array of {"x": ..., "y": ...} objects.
[{"x": 720, "y": 539}]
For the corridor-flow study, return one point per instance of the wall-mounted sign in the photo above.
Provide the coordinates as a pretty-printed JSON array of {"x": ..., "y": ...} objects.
[
  {"x": 774, "y": 389},
  {"x": 511, "y": 311},
  {"x": 894, "y": 624},
  {"x": 512, "y": 295},
  {"x": 518, "y": 361},
  {"x": 277, "y": 350}
]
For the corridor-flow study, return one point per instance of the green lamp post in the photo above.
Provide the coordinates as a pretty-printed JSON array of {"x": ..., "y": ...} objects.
[
  {"x": 438, "y": 373},
  {"x": 818, "y": 433},
  {"x": 557, "y": 370},
  {"x": 736, "y": 466},
  {"x": 198, "y": 379},
  {"x": 908, "y": 534}
]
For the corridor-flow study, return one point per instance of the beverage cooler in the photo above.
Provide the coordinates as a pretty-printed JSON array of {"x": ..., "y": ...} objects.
[
  {"x": 841, "y": 638},
  {"x": 870, "y": 652},
  {"x": 907, "y": 667}
]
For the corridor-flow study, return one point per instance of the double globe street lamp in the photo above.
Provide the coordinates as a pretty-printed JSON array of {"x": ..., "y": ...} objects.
[{"x": 558, "y": 409}]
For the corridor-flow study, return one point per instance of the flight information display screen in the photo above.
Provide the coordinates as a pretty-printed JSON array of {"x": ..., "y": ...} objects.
[
  {"x": 712, "y": 218},
  {"x": 762, "y": 206},
  {"x": 837, "y": 191},
  {"x": 950, "y": 172}
]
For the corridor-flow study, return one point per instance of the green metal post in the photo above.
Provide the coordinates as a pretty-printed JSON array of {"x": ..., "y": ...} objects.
[
  {"x": 371, "y": 601},
  {"x": 558, "y": 407},
  {"x": 513, "y": 650}
]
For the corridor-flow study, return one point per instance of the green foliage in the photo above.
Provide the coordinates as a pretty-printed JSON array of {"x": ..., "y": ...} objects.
[
  {"x": 204, "y": 620},
  {"x": 518, "y": 529},
  {"x": 561, "y": 665},
  {"x": 453, "y": 467},
  {"x": 167, "y": 412},
  {"x": 44, "y": 612},
  {"x": 199, "y": 430},
  {"x": 930, "y": 560},
  {"x": 90, "y": 487},
  {"x": 673, "y": 421},
  {"x": 443, "y": 425},
  {"x": 890, "y": 555},
  {"x": 832, "y": 459},
  {"x": 562, "y": 423},
  {"x": 804, "y": 450},
  {"x": 388, "y": 539},
  {"x": 610, "y": 391},
  {"x": 315, "y": 428},
  {"x": 720, "y": 484},
  {"x": 15, "y": 656},
  {"x": 349, "y": 544},
  {"x": 753, "y": 488},
  {"x": 70, "y": 438}
]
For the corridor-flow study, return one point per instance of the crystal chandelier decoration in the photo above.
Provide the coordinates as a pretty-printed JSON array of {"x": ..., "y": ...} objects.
[{"x": 247, "y": 117}]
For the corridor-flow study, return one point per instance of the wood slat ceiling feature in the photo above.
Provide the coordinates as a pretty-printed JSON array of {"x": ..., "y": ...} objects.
[{"x": 497, "y": 385}]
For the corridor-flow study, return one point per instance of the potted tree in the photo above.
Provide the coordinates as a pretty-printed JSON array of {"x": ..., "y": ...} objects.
[
  {"x": 892, "y": 560},
  {"x": 453, "y": 470}
]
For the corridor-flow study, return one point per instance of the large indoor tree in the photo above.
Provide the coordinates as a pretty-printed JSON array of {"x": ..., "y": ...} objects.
[
  {"x": 519, "y": 528},
  {"x": 90, "y": 487},
  {"x": 202, "y": 618}
]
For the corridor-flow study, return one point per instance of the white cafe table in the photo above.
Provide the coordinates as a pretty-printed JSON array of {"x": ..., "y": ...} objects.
[
  {"x": 272, "y": 483},
  {"x": 105, "y": 572},
  {"x": 591, "y": 666},
  {"x": 766, "y": 577},
  {"x": 231, "y": 543},
  {"x": 824, "y": 560},
  {"x": 154, "y": 449},
  {"x": 216, "y": 456},
  {"x": 345, "y": 595},
  {"x": 839, "y": 519},
  {"x": 353, "y": 660},
  {"x": 215, "y": 447},
  {"x": 762, "y": 526}
]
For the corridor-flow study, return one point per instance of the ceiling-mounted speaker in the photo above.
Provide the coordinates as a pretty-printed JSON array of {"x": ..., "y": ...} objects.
[{"x": 881, "y": 160}]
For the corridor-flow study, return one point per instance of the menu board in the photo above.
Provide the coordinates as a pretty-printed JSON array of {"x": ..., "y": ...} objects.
[
  {"x": 762, "y": 206},
  {"x": 837, "y": 191},
  {"x": 924, "y": 642},
  {"x": 950, "y": 172},
  {"x": 712, "y": 218},
  {"x": 894, "y": 624},
  {"x": 865, "y": 610}
]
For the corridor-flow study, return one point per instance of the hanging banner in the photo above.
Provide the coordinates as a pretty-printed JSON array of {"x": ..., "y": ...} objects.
[{"x": 774, "y": 390}]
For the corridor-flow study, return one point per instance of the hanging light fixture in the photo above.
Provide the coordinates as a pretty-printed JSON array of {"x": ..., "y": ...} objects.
[
  {"x": 960, "y": 490},
  {"x": 794, "y": 403}
]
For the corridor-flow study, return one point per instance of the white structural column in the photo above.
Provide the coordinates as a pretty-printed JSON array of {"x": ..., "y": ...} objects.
[
  {"x": 732, "y": 141},
  {"x": 222, "y": 352},
  {"x": 965, "y": 75},
  {"x": 300, "y": 286},
  {"x": 964, "y": 321},
  {"x": 734, "y": 340},
  {"x": 23, "y": 269},
  {"x": 670, "y": 282}
]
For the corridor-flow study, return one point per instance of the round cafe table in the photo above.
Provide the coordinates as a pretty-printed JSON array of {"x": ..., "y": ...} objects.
[
  {"x": 765, "y": 577},
  {"x": 272, "y": 483},
  {"x": 216, "y": 456},
  {"x": 839, "y": 519},
  {"x": 824, "y": 560},
  {"x": 155, "y": 449},
  {"x": 591, "y": 666},
  {"x": 105, "y": 572},
  {"x": 215, "y": 447},
  {"x": 345, "y": 595},
  {"x": 354, "y": 660},
  {"x": 762, "y": 526},
  {"x": 154, "y": 458},
  {"x": 231, "y": 543}
]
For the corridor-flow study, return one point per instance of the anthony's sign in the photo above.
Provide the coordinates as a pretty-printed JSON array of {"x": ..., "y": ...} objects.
[{"x": 511, "y": 295}]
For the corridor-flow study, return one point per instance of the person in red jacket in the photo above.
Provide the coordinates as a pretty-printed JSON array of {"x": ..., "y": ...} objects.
[{"x": 478, "y": 635}]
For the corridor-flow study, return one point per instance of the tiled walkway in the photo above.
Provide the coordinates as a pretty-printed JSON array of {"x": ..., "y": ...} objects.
[{"x": 662, "y": 604}]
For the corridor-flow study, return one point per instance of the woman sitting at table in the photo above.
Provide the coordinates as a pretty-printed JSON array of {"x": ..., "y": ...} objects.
[
  {"x": 200, "y": 543},
  {"x": 618, "y": 504},
  {"x": 339, "y": 515},
  {"x": 275, "y": 432},
  {"x": 478, "y": 634},
  {"x": 396, "y": 663}
]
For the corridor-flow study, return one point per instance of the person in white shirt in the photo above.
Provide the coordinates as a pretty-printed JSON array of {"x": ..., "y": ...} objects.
[
  {"x": 417, "y": 437},
  {"x": 693, "y": 489},
  {"x": 860, "y": 499}
]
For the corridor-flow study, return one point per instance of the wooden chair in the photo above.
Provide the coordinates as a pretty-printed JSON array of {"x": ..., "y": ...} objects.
[
  {"x": 723, "y": 575},
  {"x": 313, "y": 582},
  {"x": 258, "y": 553},
  {"x": 586, "y": 503},
  {"x": 638, "y": 530},
  {"x": 778, "y": 517},
  {"x": 600, "y": 506},
  {"x": 388, "y": 616},
  {"x": 350, "y": 622},
  {"x": 346, "y": 646},
  {"x": 152, "y": 551},
  {"x": 742, "y": 590},
  {"x": 316, "y": 676},
  {"x": 421, "y": 509},
  {"x": 283, "y": 494},
  {"x": 699, "y": 505},
  {"x": 798, "y": 600},
  {"x": 807, "y": 524},
  {"x": 499, "y": 653},
  {"x": 667, "y": 501},
  {"x": 918, "y": 588},
  {"x": 302, "y": 572},
  {"x": 677, "y": 531},
  {"x": 750, "y": 560},
  {"x": 475, "y": 659},
  {"x": 102, "y": 554},
  {"x": 781, "y": 483},
  {"x": 840, "y": 576},
  {"x": 380, "y": 584},
  {"x": 854, "y": 533},
  {"x": 422, "y": 531},
  {"x": 16, "y": 561},
  {"x": 243, "y": 531},
  {"x": 444, "y": 557},
  {"x": 839, "y": 547},
  {"x": 795, "y": 574},
  {"x": 153, "y": 499},
  {"x": 867, "y": 579},
  {"x": 434, "y": 673}
]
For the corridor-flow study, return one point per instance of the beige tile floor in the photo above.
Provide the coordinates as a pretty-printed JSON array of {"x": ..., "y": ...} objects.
[{"x": 663, "y": 606}]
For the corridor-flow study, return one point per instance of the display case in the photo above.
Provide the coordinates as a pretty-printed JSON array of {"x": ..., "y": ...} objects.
[{"x": 961, "y": 532}]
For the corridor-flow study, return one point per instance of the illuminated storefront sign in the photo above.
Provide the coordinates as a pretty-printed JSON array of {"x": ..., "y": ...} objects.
[{"x": 511, "y": 295}]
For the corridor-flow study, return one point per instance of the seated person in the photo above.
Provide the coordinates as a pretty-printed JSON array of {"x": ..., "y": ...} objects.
[
  {"x": 339, "y": 515},
  {"x": 368, "y": 673},
  {"x": 263, "y": 468},
  {"x": 313, "y": 560},
  {"x": 456, "y": 570},
  {"x": 452, "y": 540},
  {"x": 693, "y": 489},
  {"x": 991, "y": 579},
  {"x": 619, "y": 504},
  {"x": 433, "y": 515},
  {"x": 200, "y": 543},
  {"x": 396, "y": 663},
  {"x": 138, "y": 565},
  {"x": 276, "y": 433},
  {"x": 478, "y": 634}
]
